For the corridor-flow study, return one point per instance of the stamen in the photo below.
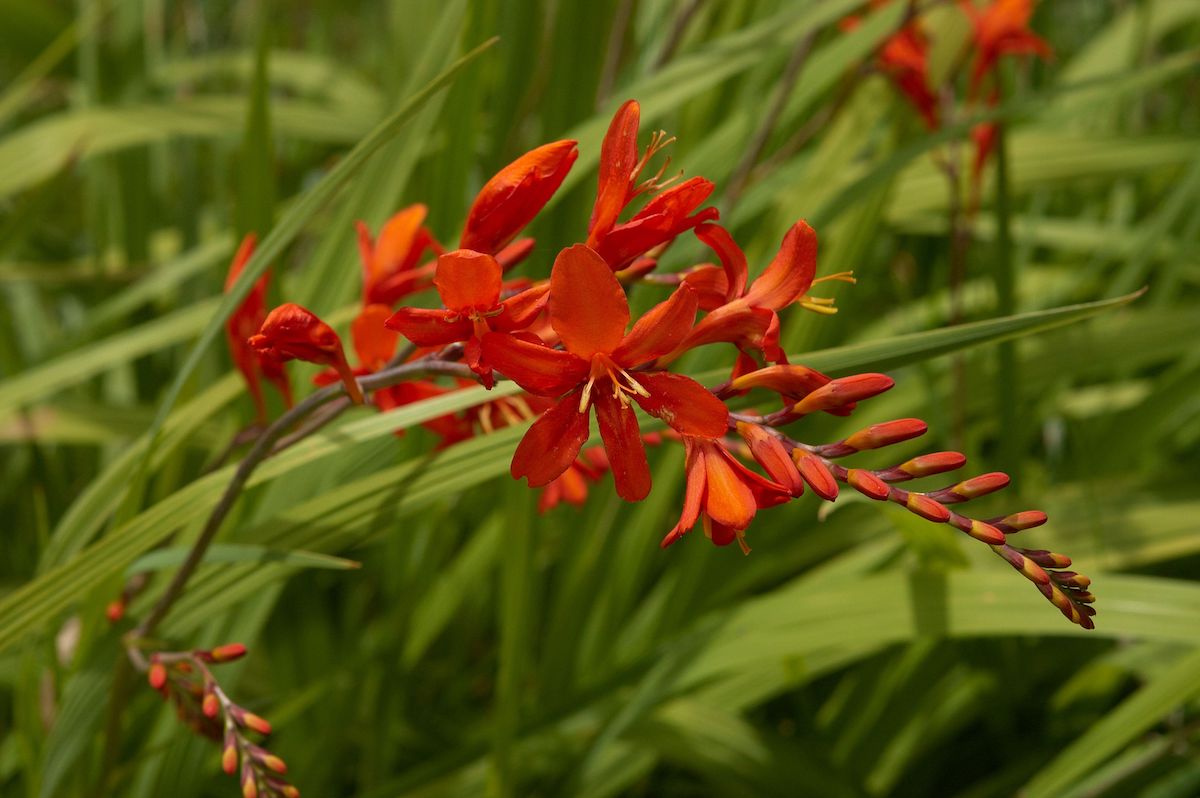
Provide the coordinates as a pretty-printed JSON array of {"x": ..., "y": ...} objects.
[
  {"x": 841, "y": 277},
  {"x": 633, "y": 384},
  {"x": 586, "y": 396},
  {"x": 485, "y": 419}
]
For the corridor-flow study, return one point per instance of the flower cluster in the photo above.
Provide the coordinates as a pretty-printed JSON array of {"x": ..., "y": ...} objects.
[
  {"x": 184, "y": 678},
  {"x": 999, "y": 28}
]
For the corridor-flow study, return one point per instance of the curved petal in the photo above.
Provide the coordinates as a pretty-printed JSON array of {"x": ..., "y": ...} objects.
[
  {"x": 773, "y": 456},
  {"x": 623, "y": 443},
  {"x": 294, "y": 332},
  {"x": 534, "y": 366},
  {"x": 466, "y": 279},
  {"x": 374, "y": 343},
  {"x": 428, "y": 327},
  {"x": 588, "y": 308},
  {"x": 733, "y": 260},
  {"x": 684, "y": 404},
  {"x": 792, "y": 381},
  {"x": 618, "y": 159},
  {"x": 520, "y": 310},
  {"x": 515, "y": 195},
  {"x": 659, "y": 331},
  {"x": 396, "y": 246},
  {"x": 397, "y": 286},
  {"x": 710, "y": 284},
  {"x": 735, "y": 324},
  {"x": 693, "y": 494},
  {"x": 552, "y": 443},
  {"x": 790, "y": 274},
  {"x": 514, "y": 253},
  {"x": 728, "y": 499}
]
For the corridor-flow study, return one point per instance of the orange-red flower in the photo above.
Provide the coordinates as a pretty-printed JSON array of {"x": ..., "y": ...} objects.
[
  {"x": 749, "y": 316},
  {"x": 663, "y": 218},
  {"x": 904, "y": 58},
  {"x": 723, "y": 492},
  {"x": 515, "y": 195},
  {"x": 244, "y": 322},
  {"x": 589, "y": 312},
  {"x": 1002, "y": 28},
  {"x": 291, "y": 332},
  {"x": 469, "y": 284},
  {"x": 390, "y": 270}
]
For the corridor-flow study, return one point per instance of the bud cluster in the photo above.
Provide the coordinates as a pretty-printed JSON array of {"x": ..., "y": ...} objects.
[{"x": 184, "y": 679}]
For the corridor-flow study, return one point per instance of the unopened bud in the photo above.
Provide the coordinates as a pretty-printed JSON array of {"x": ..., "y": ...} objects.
[
  {"x": 157, "y": 675},
  {"x": 227, "y": 653},
  {"x": 210, "y": 706},
  {"x": 229, "y": 754},
  {"x": 927, "y": 508},
  {"x": 115, "y": 610},
  {"x": 252, "y": 721},
  {"x": 867, "y": 484},
  {"x": 879, "y": 435},
  {"x": 844, "y": 391},
  {"x": 935, "y": 463},
  {"x": 1026, "y": 519},
  {"x": 773, "y": 456},
  {"x": 981, "y": 485},
  {"x": 981, "y": 530},
  {"x": 1047, "y": 559},
  {"x": 249, "y": 781},
  {"x": 815, "y": 474}
]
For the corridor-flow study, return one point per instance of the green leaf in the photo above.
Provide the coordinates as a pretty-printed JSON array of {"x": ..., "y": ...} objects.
[{"x": 230, "y": 553}]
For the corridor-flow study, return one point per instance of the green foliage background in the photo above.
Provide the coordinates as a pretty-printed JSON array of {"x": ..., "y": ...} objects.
[{"x": 481, "y": 647}]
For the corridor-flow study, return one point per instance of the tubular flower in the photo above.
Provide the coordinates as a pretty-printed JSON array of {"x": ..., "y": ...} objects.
[
  {"x": 722, "y": 492},
  {"x": 671, "y": 212},
  {"x": 469, "y": 284},
  {"x": 749, "y": 316},
  {"x": 390, "y": 270},
  {"x": 291, "y": 332},
  {"x": 515, "y": 195},
  {"x": 1001, "y": 28},
  {"x": 589, "y": 312},
  {"x": 244, "y": 322},
  {"x": 904, "y": 59}
]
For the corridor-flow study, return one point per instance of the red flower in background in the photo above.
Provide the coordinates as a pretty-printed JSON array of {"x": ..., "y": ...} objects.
[
  {"x": 244, "y": 322},
  {"x": 904, "y": 58},
  {"x": 1001, "y": 28},
  {"x": 515, "y": 195},
  {"x": 469, "y": 284},
  {"x": 291, "y": 332},
  {"x": 589, "y": 312},
  {"x": 390, "y": 270},
  {"x": 663, "y": 218}
]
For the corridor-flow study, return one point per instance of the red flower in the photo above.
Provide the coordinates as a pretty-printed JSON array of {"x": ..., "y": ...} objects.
[
  {"x": 749, "y": 316},
  {"x": 571, "y": 486},
  {"x": 291, "y": 332},
  {"x": 723, "y": 492},
  {"x": 244, "y": 322},
  {"x": 469, "y": 284},
  {"x": 662, "y": 219},
  {"x": 515, "y": 195},
  {"x": 589, "y": 312},
  {"x": 904, "y": 58},
  {"x": 1001, "y": 29},
  {"x": 390, "y": 270}
]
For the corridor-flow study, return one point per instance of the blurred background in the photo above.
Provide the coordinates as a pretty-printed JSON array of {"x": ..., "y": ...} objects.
[{"x": 420, "y": 629}]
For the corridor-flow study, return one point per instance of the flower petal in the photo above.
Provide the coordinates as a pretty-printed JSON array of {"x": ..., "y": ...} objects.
[
  {"x": 588, "y": 308},
  {"x": 773, "y": 456},
  {"x": 429, "y": 327},
  {"x": 790, "y": 274},
  {"x": 520, "y": 310},
  {"x": 552, "y": 443},
  {"x": 396, "y": 247},
  {"x": 618, "y": 159},
  {"x": 535, "y": 367},
  {"x": 623, "y": 443},
  {"x": 659, "y": 331},
  {"x": 467, "y": 279},
  {"x": 515, "y": 195},
  {"x": 710, "y": 284},
  {"x": 733, "y": 260},
  {"x": 683, "y": 403},
  {"x": 728, "y": 499},
  {"x": 294, "y": 332},
  {"x": 792, "y": 382},
  {"x": 735, "y": 324},
  {"x": 373, "y": 342}
]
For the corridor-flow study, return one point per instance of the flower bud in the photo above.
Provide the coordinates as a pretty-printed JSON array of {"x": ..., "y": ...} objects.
[
  {"x": 1026, "y": 519},
  {"x": 210, "y": 706},
  {"x": 981, "y": 485},
  {"x": 249, "y": 781},
  {"x": 879, "y": 435},
  {"x": 935, "y": 463},
  {"x": 227, "y": 653},
  {"x": 773, "y": 456},
  {"x": 927, "y": 508},
  {"x": 157, "y": 676},
  {"x": 115, "y": 610},
  {"x": 252, "y": 721},
  {"x": 229, "y": 753},
  {"x": 816, "y": 474},
  {"x": 867, "y": 484},
  {"x": 844, "y": 391}
]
